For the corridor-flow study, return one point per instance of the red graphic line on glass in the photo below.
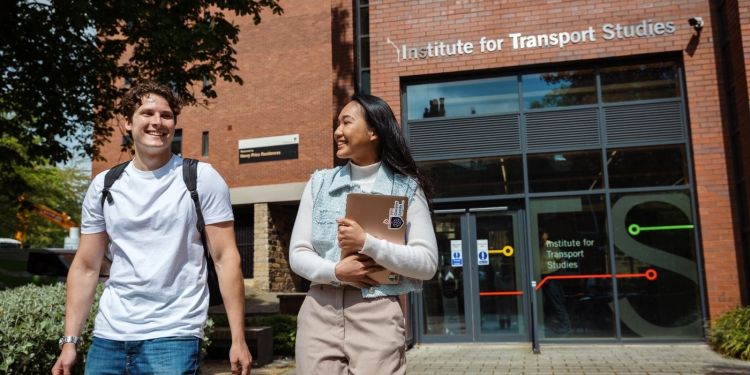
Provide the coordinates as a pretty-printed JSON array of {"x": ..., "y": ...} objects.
[
  {"x": 650, "y": 274},
  {"x": 512, "y": 293}
]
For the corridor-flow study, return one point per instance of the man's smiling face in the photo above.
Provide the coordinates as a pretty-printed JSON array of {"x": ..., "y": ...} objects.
[{"x": 153, "y": 124}]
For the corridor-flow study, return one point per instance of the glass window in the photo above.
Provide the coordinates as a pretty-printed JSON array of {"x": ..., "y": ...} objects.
[
  {"x": 561, "y": 171},
  {"x": 364, "y": 21},
  {"x": 363, "y": 50},
  {"x": 364, "y": 86},
  {"x": 365, "y": 53},
  {"x": 204, "y": 144},
  {"x": 572, "y": 267},
  {"x": 656, "y": 265},
  {"x": 470, "y": 177},
  {"x": 177, "y": 142},
  {"x": 244, "y": 224},
  {"x": 647, "y": 166},
  {"x": 640, "y": 82},
  {"x": 559, "y": 89},
  {"x": 7, "y": 243},
  {"x": 462, "y": 99}
]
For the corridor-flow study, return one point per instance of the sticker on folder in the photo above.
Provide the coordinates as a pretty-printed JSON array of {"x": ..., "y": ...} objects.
[
  {"x": 384, "y": 217},
  {"x": 395, "y": 218}
]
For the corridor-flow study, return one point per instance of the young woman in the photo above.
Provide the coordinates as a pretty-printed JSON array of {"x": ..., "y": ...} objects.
[{"x": 348, "y": 323}]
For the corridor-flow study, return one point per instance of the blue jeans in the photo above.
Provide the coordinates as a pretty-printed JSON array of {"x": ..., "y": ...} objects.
[{"x": 169, "y": 355}]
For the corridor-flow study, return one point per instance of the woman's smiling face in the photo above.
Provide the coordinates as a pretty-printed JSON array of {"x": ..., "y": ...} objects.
[{"x": 355, "y": 140}]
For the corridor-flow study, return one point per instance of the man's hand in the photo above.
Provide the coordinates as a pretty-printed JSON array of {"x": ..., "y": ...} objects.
[
  {"x": 240, "y": 359},
  {"x": 65, "y": 361},
  {"x": 83, "y": 275},
  {"x": 351, "y": 236},
  {"x": 354, "y": 269},
  {"x": 221, "y": 244}
]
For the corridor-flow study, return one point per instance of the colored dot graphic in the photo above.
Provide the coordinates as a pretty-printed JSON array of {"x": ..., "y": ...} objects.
[
  {"x": 635, "y": 229},
  {"x": 507, "y": 251}
]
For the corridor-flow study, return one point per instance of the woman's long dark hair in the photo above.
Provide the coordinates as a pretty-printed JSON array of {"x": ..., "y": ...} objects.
[{"x": 394, "y": 151}]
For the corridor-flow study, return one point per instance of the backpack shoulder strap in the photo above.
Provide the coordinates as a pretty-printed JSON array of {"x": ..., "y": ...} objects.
[
  {"x": 190, "y": 176},
  {"x": 110, "y": 178}
]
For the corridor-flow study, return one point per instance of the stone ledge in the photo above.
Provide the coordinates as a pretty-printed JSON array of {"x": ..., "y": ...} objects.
[{"x": 259, "y": 340}]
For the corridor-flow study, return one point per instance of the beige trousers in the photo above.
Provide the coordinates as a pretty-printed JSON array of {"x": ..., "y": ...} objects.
[{"x": 339, "y": 332}]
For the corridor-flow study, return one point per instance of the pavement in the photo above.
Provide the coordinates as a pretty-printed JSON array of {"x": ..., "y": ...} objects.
[
  {"x": 501, "y": 358},
  {"x": 588, "y": 359},
  {"x": 650, "y": 359}
]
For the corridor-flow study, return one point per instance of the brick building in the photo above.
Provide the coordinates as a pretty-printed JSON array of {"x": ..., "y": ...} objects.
[{"x": 589, "y": 158}]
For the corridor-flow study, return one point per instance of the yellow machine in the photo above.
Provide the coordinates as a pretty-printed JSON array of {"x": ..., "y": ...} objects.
[{"x": 25, "y": 207}]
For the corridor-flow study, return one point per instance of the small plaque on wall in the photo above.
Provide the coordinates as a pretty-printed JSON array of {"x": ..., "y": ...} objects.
[{"x": 280, "y": 147}]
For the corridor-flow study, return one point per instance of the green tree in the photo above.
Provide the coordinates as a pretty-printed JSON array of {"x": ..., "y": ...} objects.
[
  {"x": 63, "y": 64},
  {"x": 60, "y": 188}
]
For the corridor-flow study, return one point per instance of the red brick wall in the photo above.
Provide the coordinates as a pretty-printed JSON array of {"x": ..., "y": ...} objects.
[
  {"x": 297, "y": 71},
  {"x": 736, "y": 27},
  {"x": 416, "y": 23},
  {"x": 286, "y": 65}
]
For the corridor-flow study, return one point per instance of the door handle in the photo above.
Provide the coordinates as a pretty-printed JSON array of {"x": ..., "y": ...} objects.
[
  {"x": 486, "y": 209},
  {"x": 451, "y": 211}
]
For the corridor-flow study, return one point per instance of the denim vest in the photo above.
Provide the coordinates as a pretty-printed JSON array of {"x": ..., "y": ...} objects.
[{"x": 330, "y": 188}]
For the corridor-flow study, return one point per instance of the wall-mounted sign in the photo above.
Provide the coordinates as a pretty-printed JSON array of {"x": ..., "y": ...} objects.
[
  {"x": 281, "y": 147},
  {"x": 518, "y": 41},
  {"x": 457, "y": 258},
  {"x": 483, "y": 254}
]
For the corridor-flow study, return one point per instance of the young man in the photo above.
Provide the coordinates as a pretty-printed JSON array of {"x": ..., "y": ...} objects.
[{"x": 155, "y": 302}]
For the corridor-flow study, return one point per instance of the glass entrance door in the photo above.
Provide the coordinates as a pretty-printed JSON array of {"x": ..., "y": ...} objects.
[
  {"x": 498, "y": 274},
  {"x": 478, "y": 291},
  {"x": 443, "y": 300}
]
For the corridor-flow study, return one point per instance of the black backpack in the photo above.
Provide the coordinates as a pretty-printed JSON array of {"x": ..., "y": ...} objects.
[{"x": 190, "y": 176}]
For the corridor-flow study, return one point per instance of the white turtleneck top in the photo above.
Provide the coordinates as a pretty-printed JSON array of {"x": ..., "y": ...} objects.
[
  {"x": 364, "y": 176},
  {"x": 417, "y": 259}
]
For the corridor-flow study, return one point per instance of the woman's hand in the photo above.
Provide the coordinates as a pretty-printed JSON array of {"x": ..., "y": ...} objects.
[
  {"x": 354, "y": 269},
  {"x": 351, "y": 236}
]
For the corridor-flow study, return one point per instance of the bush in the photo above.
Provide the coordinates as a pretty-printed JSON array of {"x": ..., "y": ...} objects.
[
  {"x": 730, "y": 334},
  {"x": 31, "y": 322},
  {"x": 208, "y": 328}
]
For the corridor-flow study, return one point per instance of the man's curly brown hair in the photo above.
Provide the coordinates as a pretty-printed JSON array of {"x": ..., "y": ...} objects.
[{"x": 132, "y": 98}]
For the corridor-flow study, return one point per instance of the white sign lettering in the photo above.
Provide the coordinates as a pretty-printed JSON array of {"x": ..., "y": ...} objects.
[{"x": 520, "y": 41}]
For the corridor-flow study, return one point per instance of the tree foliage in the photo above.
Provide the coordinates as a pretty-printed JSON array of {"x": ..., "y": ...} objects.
[
  {"x": 63, "y": 64},
  {"x": 61, "y": 189}
]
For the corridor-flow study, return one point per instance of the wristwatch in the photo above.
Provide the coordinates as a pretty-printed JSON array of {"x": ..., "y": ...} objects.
[{"x": 75, "y": 340}]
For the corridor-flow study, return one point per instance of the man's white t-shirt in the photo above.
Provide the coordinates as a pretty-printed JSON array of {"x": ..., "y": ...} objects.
[{"x": 157, "y": 282}]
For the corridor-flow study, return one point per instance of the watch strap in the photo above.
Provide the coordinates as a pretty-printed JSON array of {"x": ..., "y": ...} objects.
[{"x": 75, "y": 340}]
